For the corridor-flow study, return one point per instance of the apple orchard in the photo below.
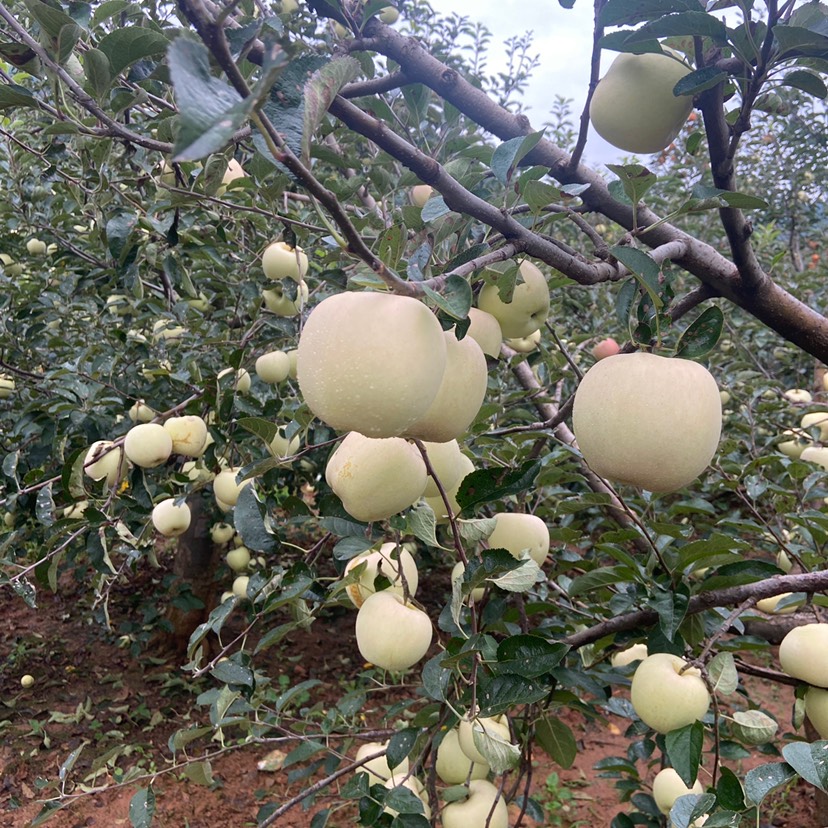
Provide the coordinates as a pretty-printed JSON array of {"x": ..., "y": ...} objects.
[{"x": 299, "y": 308}]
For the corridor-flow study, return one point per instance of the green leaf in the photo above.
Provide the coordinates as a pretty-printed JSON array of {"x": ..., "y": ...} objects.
[
  {"x": 434, "y": 208},
  {"x": 809, "y": 760},
  {"x": 142, "y": 808},
  {"x": 702, "y": 335},
  {"x": 125, "y": 46},
  {"x": 12, "y": 95},
  {"x": 528, "y": 655},
  {"x": 557, "y": 740},
  {"x": 807, "y": 82},
  {"x": 635, "y": 179},
  {"x": 671, "y": 606},
  {"x": 684, "y": 748},
  {"x": 800, "y": 40},
  {"x": 509, "y": 154},
  {"x": 759, "y": 782},
  {"x": 501, "y": 755},
  {"x": 249, "y": 520},
  {"x": 630, "y": 12},
  {"x": 320, "y": 90},
  {"x": 724, "y": 677},
  {"x": 729, "y": 793},
  {"x": 51, "y": 19},
  {"x": 498, "y": 694},
  {"x": 520, "y": 579},
  {"x": 486, "y": 485},
  {"x": 683, "y": 24},
  {"x": 421, "y": 522},
  {"x": 436, "y": 679},
  {"x": 699, "y": 80},
  {"x": 260, "y": 427},
  {"x": 598, "y": 578},
  {"x": 400, "y": 745},
  {"x": 45, "y": 506},
  {"x": 98, "y": 71},
  {"x": 643, "y": 267},
  {"x": 404, "y": 801},
  {"x": 753, "y": 727},
  {"x": 455, "y": 299},
  {"x": 232, "y": 673},
  {"x": 538, "y": 194}
]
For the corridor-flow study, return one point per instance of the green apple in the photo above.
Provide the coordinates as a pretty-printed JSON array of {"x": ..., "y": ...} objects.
[
  {"x": 633, "y": 106},
  {"x": 238, "y": 559},
  {"x": 273, "y": 367},
  {"x": 447, "y": 464},
  {"x": 386, "y": 562},
  {"x": 459, "y": 396},
  {"x": 816, "y": 708},
  {"x": 36, "y": 247},
  {"x": 105, "y": 460},
  {"x": 389, "y": 15},
  {"x": 199, "y": 303},
  {"x": 377, "y": 769},
  {"x": 167, "y": 330},
  {"x": 371, "y": 362},
  {"x": 118, "y": 304},
  {"x": 485, "y": 330},
  {"x": 281, "y": 261},
  {"x": 484, "y": 808},
  {"x": 189, "y": 435},
  {"x": 225, "y": 487},
  {"x": 529, "y": 306},
  {"x": 637, "y": 652},
  {"x": 376, "y": 478},
  {"x": 7, "y": 386},
  {"x": 420, "y": 194},
  {"x": 648, "y": 420},
  {"x": 525, "y": 344},
  {"x": 802, "y": 654},
  {"x": 668, "y": 787},
  {"x": 242, "y": 383},
  {"x": 221, "y": 533},
  {"x": 240, "y": 586},
  {"x": 171, "y": 519},
  {"x": 278, "y": 302},
  {"x": 518, "y": 533},
  {"x": 289, "y": 6},
  {"x": 148, "y": 445},
  {"x": 391, "y": 634},
  {"x": 496, "y": 727},
  {"x": 667, "y": 694},
  {"x": 436, "y": 503},
  {"x": 453, "y": 766},
  {"x": 797, "y": 395}
]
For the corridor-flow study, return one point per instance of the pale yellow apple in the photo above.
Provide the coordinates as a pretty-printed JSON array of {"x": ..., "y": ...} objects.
[
  {"x": 797, "y": 395},
  {"x": 104, "y": 460},
  {"x": 485, "y": 330},
  {"x": 794, "y": 446},
  {"x": 457, "y": 572},
  {"x": 171, "y": 519},
  {"x": 281, "y": 261},
  {"x": 221, "y": 533},
  {"x": 225, "y": 487},
  {"x": 497, "y": 727},
  {"x": 460, "y": 395},
  {"x": 648, "y": 420},
  {"x": 118, "y": 304},
  {"x": 436, "y": 503},
  {"x": 447, "y": 464},
  {"x": 234, "y": 170},
  {"x": 633, "y": 106},
  {"x": 189, "y": 434},
  {"x": 148, "y": 445},
  {"x": 724, "y": 396},
  {"x": 389, "y": 15},
  {"x": 816, "y": 708},
  {"x": 605, "y": 348},
  {"x": 668, "y": 787},
  {"x": 815, "y": 454},
  {"x": 167, "y": 330},
  {"x": 27, "y": 681},
  {"x": 769, "y": 605},
  {"x": 384, "y": 561},
  {"x": 278, "y": 302},
  {"x": 290, "y": 6},
  {"x": 273, "y": 367},
  {"x": 8, "y": 519},
  {"x": 477, "y": 811},
  {"x": 637, "y": 652},
  {"x": 140, "y": 412},
  {"x": 293, "y": 356},
  {"x": 238, "y": 559},
  {"x": 420, "y": 194},
  {"x": 518, "y": 532},
  {"x": 36, "y": 247},
  {"x": 75, "y": 510},
  {"x": 525, "y": 344},
  {"x": 376, "y": 478},
  {"x": 816, "y": 419},
  {"x": 529, "y": 306},
  {"x": 453, "y": 766},
  {"x": 391, "y": 634},
  {"x": 242, "y": 383},
  {"x": 281, "y": 447},
  {"x": 7, "y": 386},
  {"x": 803, "y": 654},
  {"x": 667, "y": 694},
  {"x": 240, "y": 586},
  {"x": 783, "y": 561},
  {"x": 377, "y": 769},
  {"x": 371, "y": 362},
  {"x": 226, "y": 596}
]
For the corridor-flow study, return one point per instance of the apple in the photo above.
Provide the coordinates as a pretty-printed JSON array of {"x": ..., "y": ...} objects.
[
  {"x": 238, "y": 559},
  {"x": 148, "y": 445},
  {"x": 783, "y": 561},
  {"x": 485, "y": 330},
  {"x": 648, "y": 420},
  {"x": 484, "y": 808},
  {"x": 815, "y": 454},
  {"x": 816, "y": 419},
  {"x": 118, "y": 304},
  {"x": 234, "y": 170},
  {"x": 293, "y": 356},
  {"x": 221, "y": 533},
  {"x": 768, "y": 605},
  {"x": 226, "y": 596},
  {"x": 460, "y": 395},
  {"x": 457, "y": 572},
  {"x": 637, "y": 652},
  {"x": 802, "y": 654},
  {"x": 8, "y": 519},
  {"x": 281, "y": 261},
  {"x": 420, "y": 194},
  {"x": 225, "y": 487},
  {"x": 140, "y": 412},
  {"x": 382, "y": 562},
  {"x": 453, "y": 766},
  {"x": 606, "y": 348},
  {"x": 794, "y": 446},
  {"x": 104, "y": 460},
  {"x": 413, "y": 784},
  {"x": 497, "y": 727},
  {"x": 529, "y": 306},
  {"x": 371, "y": 362},
  {"x": 375, "y": 478},
  {"x": 273, "y": 367},
  {"x": 667, "y": 696},
  {"x": 816, "y": 709},
  {"x": 7, "y": 386},
  {"x": 724, "y": 396},
  {"x": 289, "y": 6},
  {"x": 525, "y": 344},
  {"x": 281, "y": 447},
  {"x": 242, "y": 383},
  {"x": 446, "y": 462},
  {"x": 276, "y": 301},
  {"x": 171, "y": 519},
  {"x": 76, "y": 510},
  {"x": 668, "y": 787},
  {"x": 797, "y": 395},
  {"x": 240, "y": 586},
  {"x": 377, "y": 769},
  {"x": 436, "y": 503},
  {"x": 36, "y": 247},
  {"x": 518, "y": 532},
  {"x": 199, "y": 303},
  {"x": 189, "y": 434},
  {"x": 389, "y": 15},
  {"x": 391, "y": 634},
  {"x": 27, "y": 681},
  {"x": 167, "y": 330},
  {"x": 633, "y": 106}
]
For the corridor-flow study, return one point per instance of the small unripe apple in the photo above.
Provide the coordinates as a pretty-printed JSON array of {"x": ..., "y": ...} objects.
[
  {"x": 794, "y": 446},
  {"x": 36, "y": 247},
  {"x": 278, "y": 302},
  {"x": 273, "y": 367},
  {"x": 816, "y": 419},
  {"x": 171, "y": 519},
  {"x": 457, "y": 572},
  {"x": 148, "y": 445},
  {"x": 485, "y": 330},
  {"x": 75, "y": 511},
  {"x": 242, "y": 383},
  {"x": 118, "y": 304},
  {"x": 7, "y": 387},
  {"x": 436, "y": 503},
  {"x": 221, "y": 533},
  {"x": 27, "y": 681},
  {"x": 637, "y": 652},
  {"x": 606, "y": 348},
  {"x": 453, "y": 766},
  {"x": 189, "y": 434},
  {"x": 477, "y": 811},
  {"x": 816, "y": 708},
  {"x": 141, "y": 413},
  {"x": 234, "y": 170},
  {"x": 525, "y": 344},
  {"x": 668, "y": 787},
  {"x": 199, "y": 303},
  {"x": 225, "y": 487},
  {"x": 518, "y": 532},
  {"x": 667, "y": 694},
  {"x": 529, "y": 306},
  {"x": 104, "y": 461},
  {"x": 447, "y": 464},
  {"x": 376, "y": 478},
  {"x": 167, "y": 330},
  {"x": 496, "y": 726},
  {"x": 797, "y": 395},
  {"x": 769, "y": 605},
  {"x": 648, "y": 420},
  {"x": 8, "y": 519},
  {"x": 377, "y": 769},
  {"x": 420, "y": 194},
  {"x": 391, "y": 634},
  {"x": 783, "y": 561},
  {"x": 385, "y": 562},
  {"x": 802, "y": 654},
  {"x": 238, "y": 559},
  {"x": 389, "y": 15},
  {"x": 226, "y": 596},
  {"x": 281, "y": 261},
  {"x": 281, "y": 447},
  {"x": 289, "y": 6},
  {"x": 240, "y": 586}
]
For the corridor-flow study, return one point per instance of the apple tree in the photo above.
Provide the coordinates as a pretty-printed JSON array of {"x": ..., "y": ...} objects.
[{"x": 295, "y": 305}]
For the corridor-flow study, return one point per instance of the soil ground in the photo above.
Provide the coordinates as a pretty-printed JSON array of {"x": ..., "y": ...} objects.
[{"x": 90, "y": 692}]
